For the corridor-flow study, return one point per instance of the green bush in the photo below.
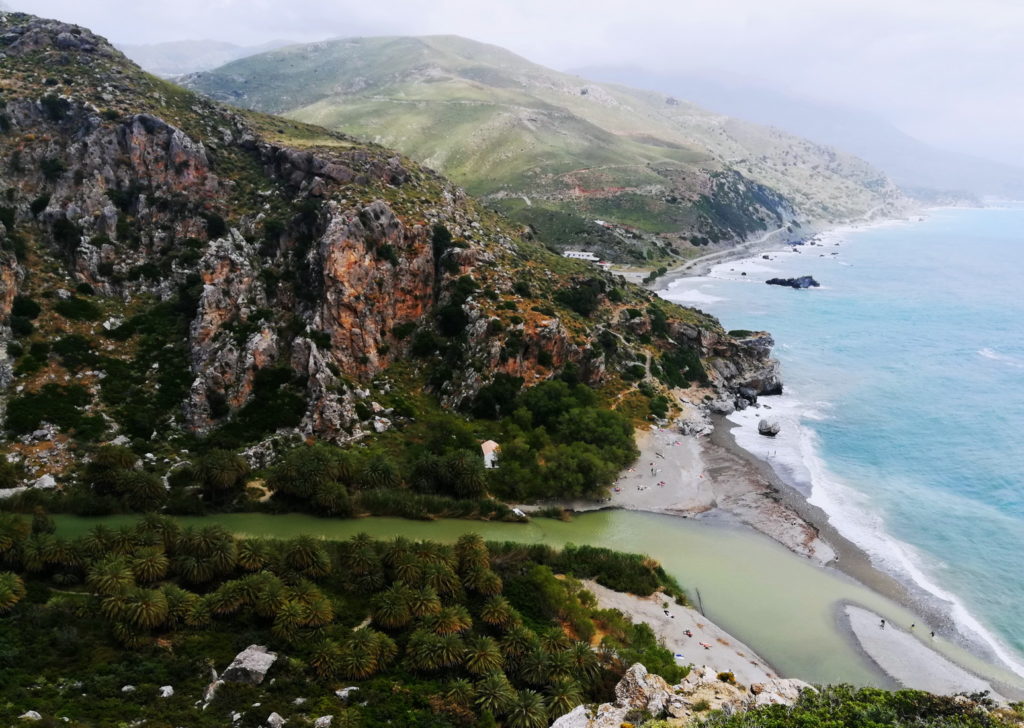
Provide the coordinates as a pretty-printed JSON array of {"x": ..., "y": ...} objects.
[
  {"x": 52, "y": 403},
  {"x": 25, "y": 306},
  {"x": 78, "y": 309}
]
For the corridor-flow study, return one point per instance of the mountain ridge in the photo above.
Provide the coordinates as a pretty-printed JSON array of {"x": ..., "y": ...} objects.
[{"x": 531, "y": 139}]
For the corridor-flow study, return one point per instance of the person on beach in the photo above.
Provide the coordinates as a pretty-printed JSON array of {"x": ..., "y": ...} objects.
[{"x": 882, "y": 624}]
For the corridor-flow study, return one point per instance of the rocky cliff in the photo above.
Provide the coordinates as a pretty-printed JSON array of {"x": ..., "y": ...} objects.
[
  {"x": 640, "y": 695},
  {"x": 173, "y": 266}
]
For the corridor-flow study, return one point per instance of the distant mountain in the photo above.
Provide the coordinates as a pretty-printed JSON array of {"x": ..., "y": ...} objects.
[
  {"x": 175, "y": 58},
  {"x": 556, "y": 150},
  {"x": 911, "y": 163}
]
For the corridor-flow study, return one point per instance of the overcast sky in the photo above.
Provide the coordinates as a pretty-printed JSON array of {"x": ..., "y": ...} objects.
[{"x": 949, "y": 72}]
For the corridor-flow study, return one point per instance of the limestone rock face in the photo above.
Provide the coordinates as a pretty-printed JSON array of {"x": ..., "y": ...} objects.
[
  {"x": 639, "y": 690},
  {"x": 250, "y": 665}
]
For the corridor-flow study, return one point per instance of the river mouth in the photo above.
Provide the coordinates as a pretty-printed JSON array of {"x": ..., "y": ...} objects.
[{"x": 780, "y": 604}]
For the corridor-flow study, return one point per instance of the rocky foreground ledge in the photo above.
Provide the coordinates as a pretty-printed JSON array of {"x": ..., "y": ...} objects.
[{"x": 703, "y": 690}]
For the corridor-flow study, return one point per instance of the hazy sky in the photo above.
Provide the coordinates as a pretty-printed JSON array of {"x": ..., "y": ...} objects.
[{"x": 946, "y": 71}]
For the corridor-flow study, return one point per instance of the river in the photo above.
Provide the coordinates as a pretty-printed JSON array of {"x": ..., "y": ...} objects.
[{"x": 779, "y": 604}]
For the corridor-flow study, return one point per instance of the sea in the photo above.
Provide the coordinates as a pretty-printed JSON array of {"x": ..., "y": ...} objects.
[{"x": 903, "y": 407}]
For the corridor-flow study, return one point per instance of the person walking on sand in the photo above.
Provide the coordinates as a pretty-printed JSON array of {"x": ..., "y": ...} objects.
[{"x": 882, "y": 624}]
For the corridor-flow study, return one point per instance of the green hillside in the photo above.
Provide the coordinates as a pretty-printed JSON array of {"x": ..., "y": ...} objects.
[{"x": 508, "y": 129}]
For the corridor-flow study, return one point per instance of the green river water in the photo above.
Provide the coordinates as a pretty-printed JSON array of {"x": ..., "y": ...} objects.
[{"x": 779, "y": 604}]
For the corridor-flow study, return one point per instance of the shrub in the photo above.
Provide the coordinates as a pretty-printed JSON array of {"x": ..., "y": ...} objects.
[
  {"x": 25, "y": 306},
  {"x": 78, "y": 309},
  {"x": 39, "y": 204},
  {"x": 52, "y": 403},
  {"x": 54, "y": 107},
  {"x": 52, "y": 168},
  {"x": 215, "y": 225}
]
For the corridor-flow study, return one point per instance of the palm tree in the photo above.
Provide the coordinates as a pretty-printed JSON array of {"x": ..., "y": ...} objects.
[
  {"x": 112, "y": 575},
  {"x": 123, "y": 540},
  {"x": 319, "y": 612},
  {"x": 561, "y": 665},
  {"x": 324, "y": 659},
  {"x": 472, "y": 552},
  {"x": 528, "y": 710},
  {"x": 33, "y": 552},
  {"x": 442, "y": 579},
  {"x": 450, "y": 620},
  {"x": 146, "y": 609},
  {"x": 180, "y": 604},
  {"x": 460, "y": 692},
  {"x": 424, "y": 602},
  {"x": 494, "y": 693},
  {"x": 12, "y": 591},
  {"x": 380, "y": 472},
  {"x": 193, "y": 570},
  {"x": 409, "y": 569},
  {"x": 308, "y": 556},
  {"x": 498, "y": 611},
  {"x": 253, "y": 554},
  {"x": 391, "y": 607},
  {"x": 519, "y": 641},
  {"x": 563, "y": 696},
  {"x": 481, "y": 580},
  {"x": 554, "y": 640},
  {"x": 13, "y": 530},
  {"x": 98, "y": 540},
  {"x": 150, "y": 564},
  {"x": 127, "y": 635},
  {"x": 222, "y": 474},
  {"x": 271, "y": 594},
  {"x": 227, "y": 599},
  {"x": 533, "y": 667},
  {"x": 482, "y": 656},
  {"x": 424, "y": 650},
  {"x": 585, "y": 663},
  {"x": 288, "y": 621},
  {"x": 141, "y": 491},
  {"x": 451, "y": 651},
  {"x": 164, "y": 528}
]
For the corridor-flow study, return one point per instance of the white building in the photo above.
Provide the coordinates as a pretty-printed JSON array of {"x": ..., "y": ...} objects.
[{"x": 581, "y": 255}]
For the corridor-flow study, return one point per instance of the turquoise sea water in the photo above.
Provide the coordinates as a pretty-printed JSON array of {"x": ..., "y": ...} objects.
[{"x": 903, "y": 415}]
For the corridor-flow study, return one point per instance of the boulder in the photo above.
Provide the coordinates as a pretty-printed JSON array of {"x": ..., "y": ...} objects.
[
  {"x": 798, "y": 283},
  {"x": 324, "y": 721},
  {"x": 31, "y": 715},
  {"x": 128, "y": 689},
  {"x": 639, "y": 689},
  {"x": 346, "y": 693},
  {"x": 275, "y": 721},
  {"x": 768, "y": 428},
  {"x": 250, "y": 665},
  {"x": 166, "y": 691}
]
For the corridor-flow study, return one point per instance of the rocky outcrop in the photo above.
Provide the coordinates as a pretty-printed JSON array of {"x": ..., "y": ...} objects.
[
  {"x": 798, "y": 283},
  {"x": 250, "y": 665},
  {"x": 701, "y": 691}
]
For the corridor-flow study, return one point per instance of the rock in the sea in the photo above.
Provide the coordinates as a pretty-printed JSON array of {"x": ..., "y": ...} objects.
[
  {"x": 769, "y": 428},
  {"x": 250, "y": 665},
  {"x": 801, "y": 282}
]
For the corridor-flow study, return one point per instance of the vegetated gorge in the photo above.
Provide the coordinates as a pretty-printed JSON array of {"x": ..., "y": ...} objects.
[
  {"x": 634, "y": 176},
  {"x": 208, "y": 310}
]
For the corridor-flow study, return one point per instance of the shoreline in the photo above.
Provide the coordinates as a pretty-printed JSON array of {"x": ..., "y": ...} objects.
[{"x": 753, "y": 507}]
